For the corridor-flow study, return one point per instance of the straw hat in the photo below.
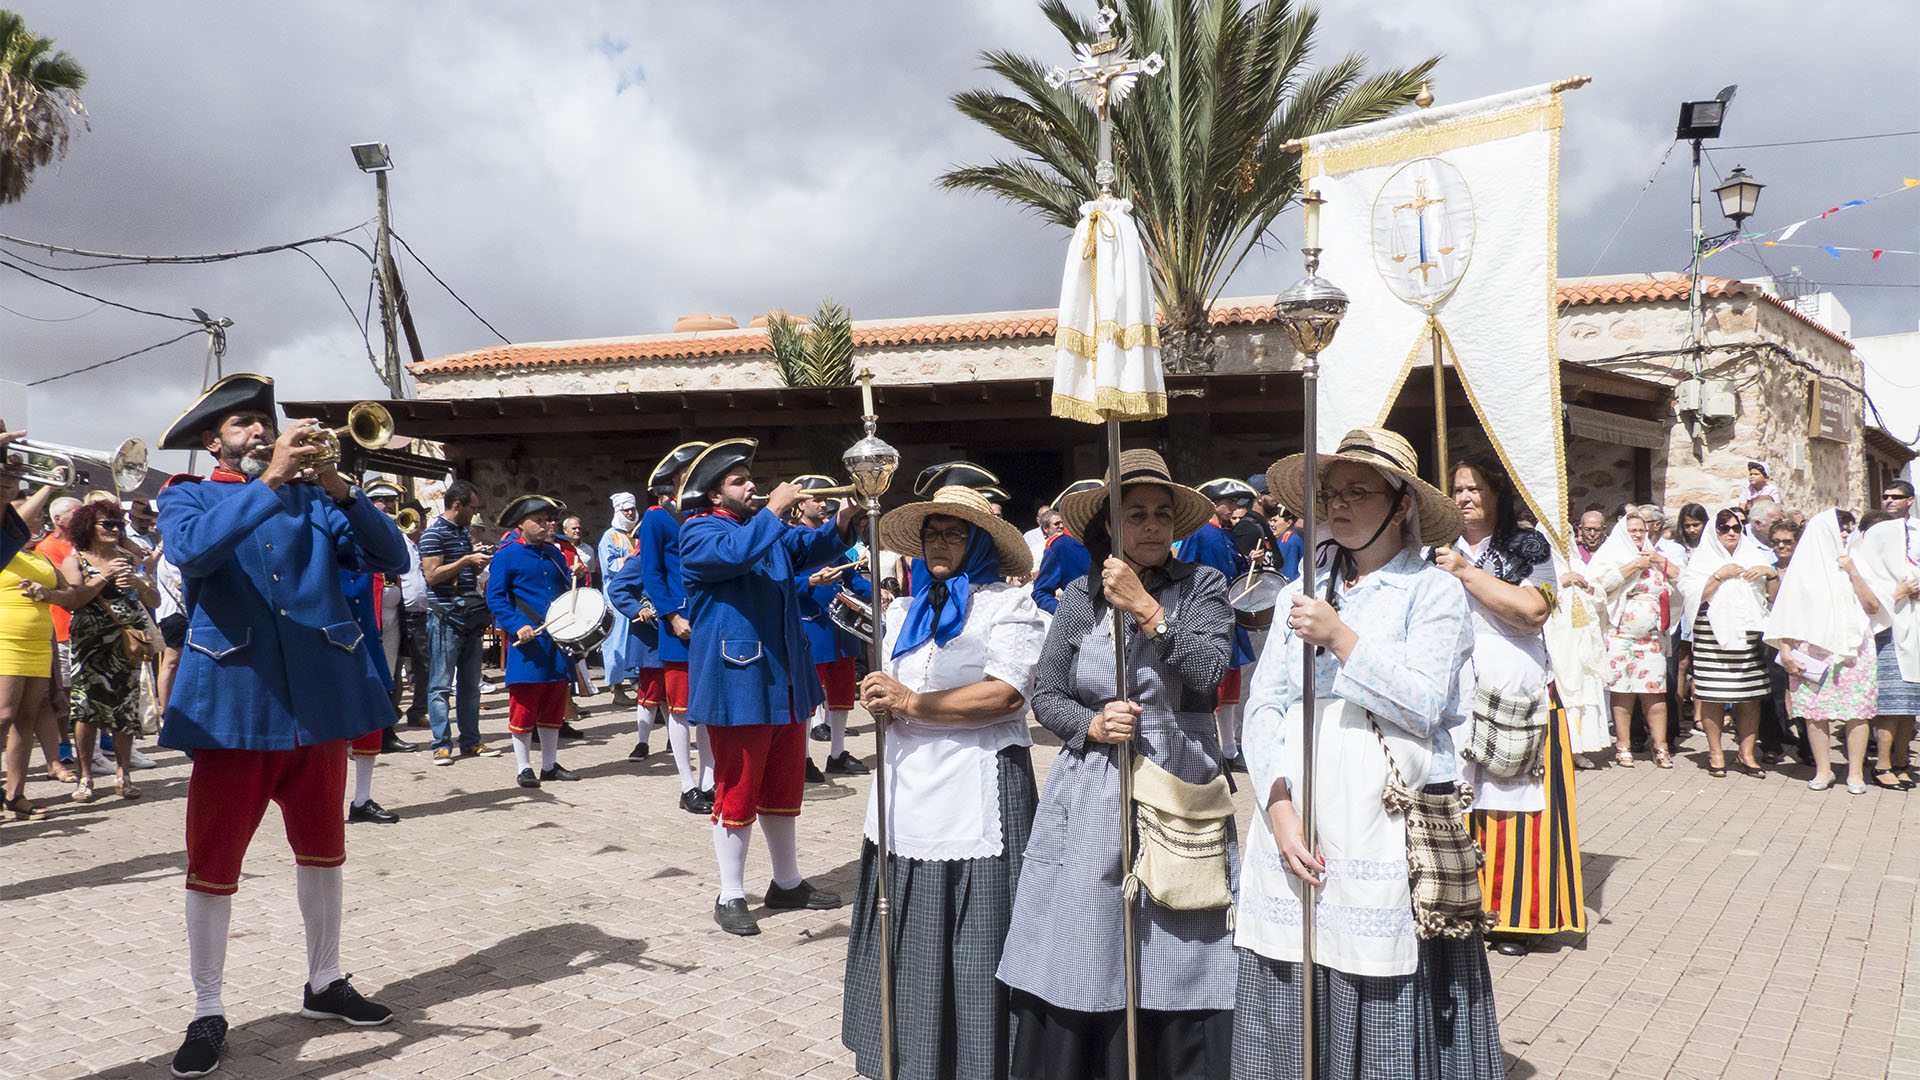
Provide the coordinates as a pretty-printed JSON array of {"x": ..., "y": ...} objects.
[
  {"x": 1190, "y": 508},
  {"x": 900, "y": 529},
  {"x": 1378, "y": 448}
]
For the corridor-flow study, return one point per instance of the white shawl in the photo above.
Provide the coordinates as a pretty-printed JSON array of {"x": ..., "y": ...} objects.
[
  {"x": 1606, "y": 569},
  {"x": 1816, "y": 602},
  {"x": 1885, "y": 557},
  {"x": 1739, "y": 606}
]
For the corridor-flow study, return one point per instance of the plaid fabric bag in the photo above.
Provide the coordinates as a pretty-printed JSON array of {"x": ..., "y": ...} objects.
[
  {"x": 1509, "y": 733},
  {"x": 1443, "y": 862}
]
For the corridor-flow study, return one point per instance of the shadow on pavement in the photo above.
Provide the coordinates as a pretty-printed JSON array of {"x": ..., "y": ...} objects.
[
  {"x": 531, "y": 958},
  {"x": 164, "y": 863},
  {"x": 1594, "y": 869}
]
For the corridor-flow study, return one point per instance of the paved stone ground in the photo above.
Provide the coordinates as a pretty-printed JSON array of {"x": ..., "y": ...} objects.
[{"x": 1741, "y": 928}]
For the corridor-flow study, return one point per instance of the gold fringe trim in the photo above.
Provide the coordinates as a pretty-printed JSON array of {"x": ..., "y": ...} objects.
[
  {"x": 1544, "y": 115},
  {"x": 1123, "y": 338},
  {"x": 1111, "y": 404}
]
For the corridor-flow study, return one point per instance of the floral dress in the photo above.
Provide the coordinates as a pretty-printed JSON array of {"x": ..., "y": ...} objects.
[
  {"x": 1637, "y": 642},
  {"x": 1847, "y": 690},
  {"x": 106, "y": 681}
]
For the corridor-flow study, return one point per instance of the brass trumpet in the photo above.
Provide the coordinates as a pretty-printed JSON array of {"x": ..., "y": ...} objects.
[
  {"x": 59, "y": 466},
  {"x": 369, "y": 424},
  {"x": 407, "y": 520},
  {"x": 840, "y": 492}
]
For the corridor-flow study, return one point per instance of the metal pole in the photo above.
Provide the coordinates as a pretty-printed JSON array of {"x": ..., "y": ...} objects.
[
  {"x": 1439, "y": 406},
  {"x": 1309, "y": 520},
  {"x": 383, "y": 259},
  {"x": 876, "y": 661},
  {"x": 1123, "y": 758}
]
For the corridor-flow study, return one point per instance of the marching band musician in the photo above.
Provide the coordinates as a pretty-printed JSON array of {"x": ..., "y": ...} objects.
[
  {"x": 526, "y": 576},
  {"x": 1065, "y": 558},
  {"x": 832, "y": 648},
  {"x": 365, "y": 596},
  {"x": 1213, "y": 545},
  {"x": 650, "y": 591},
  {"x": 276, "y": 678},
  {"x": 750, "y": 677}
]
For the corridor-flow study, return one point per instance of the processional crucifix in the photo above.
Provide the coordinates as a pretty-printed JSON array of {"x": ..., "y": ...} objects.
[{"x": 1103, "y": 76}]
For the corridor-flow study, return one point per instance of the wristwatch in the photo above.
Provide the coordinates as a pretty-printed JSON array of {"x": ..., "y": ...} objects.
[{"x": 1161, "y": 627}]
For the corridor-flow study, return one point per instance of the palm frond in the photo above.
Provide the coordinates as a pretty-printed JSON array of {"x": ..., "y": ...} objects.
[
  {"x": 789, "y": 347},
  {"x": 830, "y": 347}
]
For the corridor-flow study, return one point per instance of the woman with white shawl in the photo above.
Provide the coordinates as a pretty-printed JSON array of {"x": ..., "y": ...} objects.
[
  {"x": 1822, "y": 623},
  {"x": 1638, "y": 583},
  {"x": 1725, "y": 589},
  {"x": 1888, "y": 556}
]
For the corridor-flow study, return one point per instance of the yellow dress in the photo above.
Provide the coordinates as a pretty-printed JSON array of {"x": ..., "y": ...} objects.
[{"x": 26, "y": 626}]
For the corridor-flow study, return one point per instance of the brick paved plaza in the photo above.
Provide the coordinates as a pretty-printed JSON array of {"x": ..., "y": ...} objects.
[{"x": 1741, "y": 928}]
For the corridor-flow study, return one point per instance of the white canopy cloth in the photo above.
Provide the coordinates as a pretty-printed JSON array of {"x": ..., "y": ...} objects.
[
  {"x": 1816, "y": 603},
  {"x": 1106, "y": 350},
  {"x": 1454, "y": 206},
  {"x": 1888, "y": 554},
  {"x": 1739, "y": 606}
]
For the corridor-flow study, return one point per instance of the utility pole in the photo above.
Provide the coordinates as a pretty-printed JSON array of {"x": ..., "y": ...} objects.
[
  {"x": 374, "y": 158},
  {"x": 212, "y": 370}
]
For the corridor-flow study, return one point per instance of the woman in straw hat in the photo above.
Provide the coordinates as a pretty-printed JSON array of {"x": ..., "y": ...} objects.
[
  {"x": 1401, "y": 993},
  {"x": 959, "y": 658},
  {"x": 1063, "y": 960}
]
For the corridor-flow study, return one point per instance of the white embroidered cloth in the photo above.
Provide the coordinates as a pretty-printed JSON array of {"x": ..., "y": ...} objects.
[{"x": 1106, "y": 349}]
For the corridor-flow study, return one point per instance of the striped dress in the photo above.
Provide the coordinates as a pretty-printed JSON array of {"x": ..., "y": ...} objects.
[
  {"x": 1726, "y": 673},
  {"x": 1531, "y": 879}
]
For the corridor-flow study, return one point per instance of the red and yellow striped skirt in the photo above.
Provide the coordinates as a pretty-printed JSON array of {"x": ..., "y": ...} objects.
[{"x": 1531, "y": 881}]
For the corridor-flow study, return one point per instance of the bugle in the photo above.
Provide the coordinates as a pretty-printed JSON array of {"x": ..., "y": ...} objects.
[{"x": 59, "y": 466}]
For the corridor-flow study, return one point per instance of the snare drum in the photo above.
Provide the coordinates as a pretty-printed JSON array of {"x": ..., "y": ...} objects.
[
  {"x": 579, "y": 620},
  {"x": 852, "y": 614},
  {"x": 1253, "y": 598}
]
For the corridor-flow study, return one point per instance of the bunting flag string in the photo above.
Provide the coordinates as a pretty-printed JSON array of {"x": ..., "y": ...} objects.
[
  {"x": 1835, "y": 249},
  {"x": 1778, "y": 237}
]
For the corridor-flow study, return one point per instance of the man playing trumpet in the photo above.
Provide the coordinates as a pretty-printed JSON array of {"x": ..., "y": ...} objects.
[{"x": 832, "y": 648}]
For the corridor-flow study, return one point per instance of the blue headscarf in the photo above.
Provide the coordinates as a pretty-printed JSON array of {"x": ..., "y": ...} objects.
[{"x": 939, "y": 608}]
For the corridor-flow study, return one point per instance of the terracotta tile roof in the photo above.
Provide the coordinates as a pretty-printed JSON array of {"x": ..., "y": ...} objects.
[{"x": 1009, "y": 326}]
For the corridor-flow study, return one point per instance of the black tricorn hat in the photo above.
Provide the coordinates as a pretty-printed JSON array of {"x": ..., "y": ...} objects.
[
  {"x": 241, "y": 392},
  {"x": 814, "y": 482},
  {"x": 1226, "y": 487},
  {"x": 995, "y": 494},
  {"x": 952, "y": 474},
  {"x": 521, "y": 507},
  {"x": 712, "y": 464},
  {"x": 660, "y": 482}
]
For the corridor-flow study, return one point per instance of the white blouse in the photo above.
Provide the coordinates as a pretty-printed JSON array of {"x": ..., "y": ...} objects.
[{"x": 943, "y": 780}]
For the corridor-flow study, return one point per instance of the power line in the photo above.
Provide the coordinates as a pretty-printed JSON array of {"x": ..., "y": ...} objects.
[
  {"x": 98, "y": 299},
  {"x": 117, "y": 359},
  {"x": 1811, "y": 142},
  {"x": 38, "y": 318},
  {"x": 449, "y": 288},
  {"x": 116, "y": 258}
]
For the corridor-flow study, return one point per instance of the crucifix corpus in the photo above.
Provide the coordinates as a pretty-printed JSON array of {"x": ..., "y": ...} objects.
[{"x": 1103, "y": 76}]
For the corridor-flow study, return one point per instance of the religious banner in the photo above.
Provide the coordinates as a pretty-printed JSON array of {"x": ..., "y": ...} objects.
[{"x": 1441, "y": 225}]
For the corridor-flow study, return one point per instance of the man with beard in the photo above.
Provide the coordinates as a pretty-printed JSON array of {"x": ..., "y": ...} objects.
[
  {"x": 750, "y": 677},
  {"x": 457, "y": 620},
  {"x": 276, "y": 679}
]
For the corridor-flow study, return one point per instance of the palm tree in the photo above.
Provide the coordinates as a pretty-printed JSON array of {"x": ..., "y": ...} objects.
[
  {"x": 39, "y": 103},
  {"x": 821, "y": 354},
  {"x": 1198, "y": 148}
]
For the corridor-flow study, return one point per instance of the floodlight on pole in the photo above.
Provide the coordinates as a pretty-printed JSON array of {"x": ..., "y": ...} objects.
[{"x": 372, "y": 156}]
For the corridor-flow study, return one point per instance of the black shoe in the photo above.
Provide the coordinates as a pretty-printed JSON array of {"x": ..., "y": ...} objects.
[
  {"x": 814, "y": 775},
  {"x": 820, "y": 733},
  {"x": 692, "y": 802},
  {"x": 803, "y": 895},
  {"x": 1237, "y": 763},
  {"x": 371, "y": 811},
  {"x": 568, "y": 731},
  {"x": 1507, "y": 946},
  {"x": 640, "y": 751},
  {"x": 845, "y": 764},
  {"x": 558, "y": 772},
  {"x": 527, "y": 779},
  {"x": 733, "y": 917},
  {"x": 706, "y": 801},
  {"x": 200, "y": 1053},
  {"x": 394, "y": 744},
  {"x": 340, "y": 1001}
]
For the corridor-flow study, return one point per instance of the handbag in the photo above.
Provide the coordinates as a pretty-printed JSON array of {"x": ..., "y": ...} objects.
[
  {"x": 1509, "y": 733},
  {"x": 1181, "y": 854},
  {"x": 1443, "y": 862},
  {"x": 137, "y": 644}
]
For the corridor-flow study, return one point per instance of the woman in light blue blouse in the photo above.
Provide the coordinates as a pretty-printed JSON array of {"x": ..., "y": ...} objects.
[{"x": 1391, "y": 632}]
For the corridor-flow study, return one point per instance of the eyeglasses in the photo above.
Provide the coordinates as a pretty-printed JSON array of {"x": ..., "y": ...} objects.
[
  {"x": 1733, "y": 528},
  {"x": 1784, "y": 542},
  {"x": 948, "y": 537},
  {"x": 1347, "y": 496},
  {"x": 1890, "y": 495}
]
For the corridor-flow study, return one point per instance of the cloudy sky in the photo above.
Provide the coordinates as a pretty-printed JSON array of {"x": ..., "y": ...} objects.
[{"x": 580, "y": 169}]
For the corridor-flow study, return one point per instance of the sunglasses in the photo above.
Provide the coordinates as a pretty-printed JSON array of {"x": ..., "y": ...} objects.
[
  {"x": 1733, "y": 528},
  {"x": 1895, "y": 495}
]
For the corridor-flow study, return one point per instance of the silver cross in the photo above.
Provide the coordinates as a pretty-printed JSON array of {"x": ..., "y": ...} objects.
[{"x": 1102, "y": 76}]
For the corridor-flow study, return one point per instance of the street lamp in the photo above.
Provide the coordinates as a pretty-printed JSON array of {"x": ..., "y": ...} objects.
[
  {"x": 1739, "y": 196},
  {"x": 372, "y": 156}
]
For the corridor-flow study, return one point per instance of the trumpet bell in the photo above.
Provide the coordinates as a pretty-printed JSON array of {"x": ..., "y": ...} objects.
[
  {"x": 59, "y": 466},
  {"x": 369, "y": 425},
  {"x": 407, "y": 520}
]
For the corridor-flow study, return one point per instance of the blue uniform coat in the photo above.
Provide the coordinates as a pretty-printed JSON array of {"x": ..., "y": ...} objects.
[
  {"x": 1213, "y": 546},
  {"x": 661, "y": 579},
  {"x": 617, "y": 652},
  {"x": 360, "y": 594},
  {"x": 749, "y": 662},
  {"x": 1066, "y": 560},
  {"x": 826, "y": 642},
  {"x": 274, "y": 658},
  {"x": 534, "y": 575}
]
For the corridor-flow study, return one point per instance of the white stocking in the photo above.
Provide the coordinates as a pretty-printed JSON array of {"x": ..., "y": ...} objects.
[
  {"x": 362, "y": 778},
  {"x": 706, "y": 761},
  {"x": 783, "y": 848},
  {"x": 318, "y": 890},
  {"x": 549, "y": 748},
  {"x": 643, "y": 721},
  {"x": 208, "y": 918},
  {"x": 1229, "y": 716},
  {"x": 836, "y": 732},
  {"x": 680, "y": 739},
  {"x": 522, "y": 751},
  {"x": 730, "y": 850}
]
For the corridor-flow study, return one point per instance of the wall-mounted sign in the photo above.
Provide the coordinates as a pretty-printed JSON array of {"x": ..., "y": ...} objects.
[{"x": 1828, "y": 416}]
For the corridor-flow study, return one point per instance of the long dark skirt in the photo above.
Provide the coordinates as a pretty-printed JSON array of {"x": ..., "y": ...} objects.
[
  {"x": 1052, "y": 1043},
  {"x": 1437, "y": 1023},
  {"x": 949, "y": 921}
]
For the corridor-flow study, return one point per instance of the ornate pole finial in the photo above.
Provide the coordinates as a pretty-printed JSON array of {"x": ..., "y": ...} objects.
[{"x": 1424, "y": 98}]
